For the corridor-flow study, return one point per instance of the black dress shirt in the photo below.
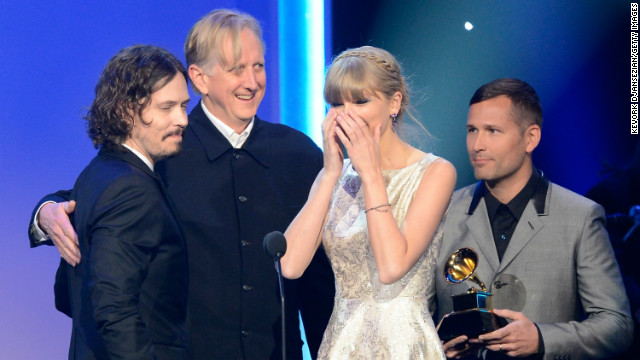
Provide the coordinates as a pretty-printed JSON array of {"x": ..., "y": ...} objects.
[{"x": 504, "y": 217}]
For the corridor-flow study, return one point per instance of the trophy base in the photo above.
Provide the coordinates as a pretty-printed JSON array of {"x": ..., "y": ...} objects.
[
  {"x": 472, "y": 323},
  {"x": 472, "y": 300}
]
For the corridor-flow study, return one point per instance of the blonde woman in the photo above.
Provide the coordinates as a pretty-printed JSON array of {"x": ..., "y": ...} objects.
[{"x": 377, "y": 214}]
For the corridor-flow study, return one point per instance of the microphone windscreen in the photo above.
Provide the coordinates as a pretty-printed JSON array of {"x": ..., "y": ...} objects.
[{"x": 275, "y": 244}]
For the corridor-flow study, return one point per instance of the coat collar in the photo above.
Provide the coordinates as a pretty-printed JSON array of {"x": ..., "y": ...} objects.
[
  {"x": 258, "y": 144},
  {"x": 129, "y": 157},
  {"x": 529, "y": 224},
  {"x": 126, "y": 155},
  {"x": 539, "y": 195}
]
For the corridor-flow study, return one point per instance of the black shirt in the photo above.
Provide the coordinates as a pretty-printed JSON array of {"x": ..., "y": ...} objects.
[{"x": 504, "y": 217}]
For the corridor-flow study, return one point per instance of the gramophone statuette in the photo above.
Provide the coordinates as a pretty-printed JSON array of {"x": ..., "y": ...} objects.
[{"x": 472, "y": 311}]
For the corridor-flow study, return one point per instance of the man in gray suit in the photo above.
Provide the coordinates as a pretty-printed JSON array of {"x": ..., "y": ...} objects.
[{"x": 543, "y": 251}]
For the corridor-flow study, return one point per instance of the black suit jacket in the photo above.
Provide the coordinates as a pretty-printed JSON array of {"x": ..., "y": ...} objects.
[
  {"x": 228, "y": 200},
  {"x": 128, "y": 295}
]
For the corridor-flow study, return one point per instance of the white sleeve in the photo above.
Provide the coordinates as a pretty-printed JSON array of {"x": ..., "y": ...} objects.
[{"x": 37, "y": 232}]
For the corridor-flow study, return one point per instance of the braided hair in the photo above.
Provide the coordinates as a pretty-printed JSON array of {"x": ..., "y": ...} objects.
[{"x": 366, "y": 68}]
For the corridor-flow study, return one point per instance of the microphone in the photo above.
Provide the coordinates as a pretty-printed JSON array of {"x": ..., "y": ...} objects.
[{"x": 275, "y": 245}]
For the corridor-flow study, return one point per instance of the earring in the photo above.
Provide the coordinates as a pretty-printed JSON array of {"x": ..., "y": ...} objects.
[{"x": 394, "y": 120}]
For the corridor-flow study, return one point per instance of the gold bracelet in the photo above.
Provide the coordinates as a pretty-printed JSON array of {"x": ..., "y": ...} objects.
[{"x": 377, "y": 208}]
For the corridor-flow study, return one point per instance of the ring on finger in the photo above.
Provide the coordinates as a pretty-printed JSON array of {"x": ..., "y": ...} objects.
[{"x": 500, "y": 347}]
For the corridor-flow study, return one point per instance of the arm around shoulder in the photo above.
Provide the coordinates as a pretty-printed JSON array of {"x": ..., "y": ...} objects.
[
  {"x": 51, "y": 225},
  {"x": 37, "y": 237}
]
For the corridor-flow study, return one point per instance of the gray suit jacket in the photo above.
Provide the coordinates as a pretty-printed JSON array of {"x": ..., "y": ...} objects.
[{"x": 559, "y": 270}]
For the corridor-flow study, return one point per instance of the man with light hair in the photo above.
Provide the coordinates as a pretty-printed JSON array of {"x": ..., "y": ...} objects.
[{"x": 237, "y": 179}]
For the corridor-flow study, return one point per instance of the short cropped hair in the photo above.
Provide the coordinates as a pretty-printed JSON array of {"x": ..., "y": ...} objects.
[
  {"x": 525, "y": 103},
  {"x": 125, "y": 88},
  {"x": 205, "y": 42}
]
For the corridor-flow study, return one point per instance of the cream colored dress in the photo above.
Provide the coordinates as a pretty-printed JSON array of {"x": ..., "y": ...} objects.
[{"x": 372, "y": 320}]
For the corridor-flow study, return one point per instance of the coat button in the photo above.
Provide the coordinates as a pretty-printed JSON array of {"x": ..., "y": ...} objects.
[
  {"x": 244, "y": 243},
  {"x": 242, "y": 198},
  {"x": 236, "y": 155},
  {"x": 245, "y": 333},
  {"x": 247, "y": 287}
]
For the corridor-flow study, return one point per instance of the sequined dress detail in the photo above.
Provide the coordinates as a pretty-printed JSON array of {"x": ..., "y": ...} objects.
[{"x": 372, "y": 320}]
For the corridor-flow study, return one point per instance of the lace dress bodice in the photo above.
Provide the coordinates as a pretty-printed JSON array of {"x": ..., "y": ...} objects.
[{"x": 372, "y": 320}]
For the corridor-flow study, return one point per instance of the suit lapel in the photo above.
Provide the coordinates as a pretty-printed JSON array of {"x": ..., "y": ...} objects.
[
  {"x": 214, "y": 143},
  {"x": 530, "y": 221},
  {"x": 526, "y": 229},
  {"x": 480, "y": 229},
  {"x": 172, "y": 206},
  {"x": 127, "y": 156},
  {"x": 258, "y": 144}
]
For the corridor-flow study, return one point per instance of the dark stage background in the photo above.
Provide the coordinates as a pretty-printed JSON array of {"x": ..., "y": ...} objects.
[{"x": 575, "y": 53}]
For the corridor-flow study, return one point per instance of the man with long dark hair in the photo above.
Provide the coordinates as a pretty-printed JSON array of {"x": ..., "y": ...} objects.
[
  {"x": 237, "y": 179},
  {"x": 128, "y": 295}
]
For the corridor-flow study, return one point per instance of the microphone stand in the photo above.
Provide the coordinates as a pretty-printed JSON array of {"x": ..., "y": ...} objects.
[
  {"x": 275, "y": 245},
  {"x": 283, "y": 328}
]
